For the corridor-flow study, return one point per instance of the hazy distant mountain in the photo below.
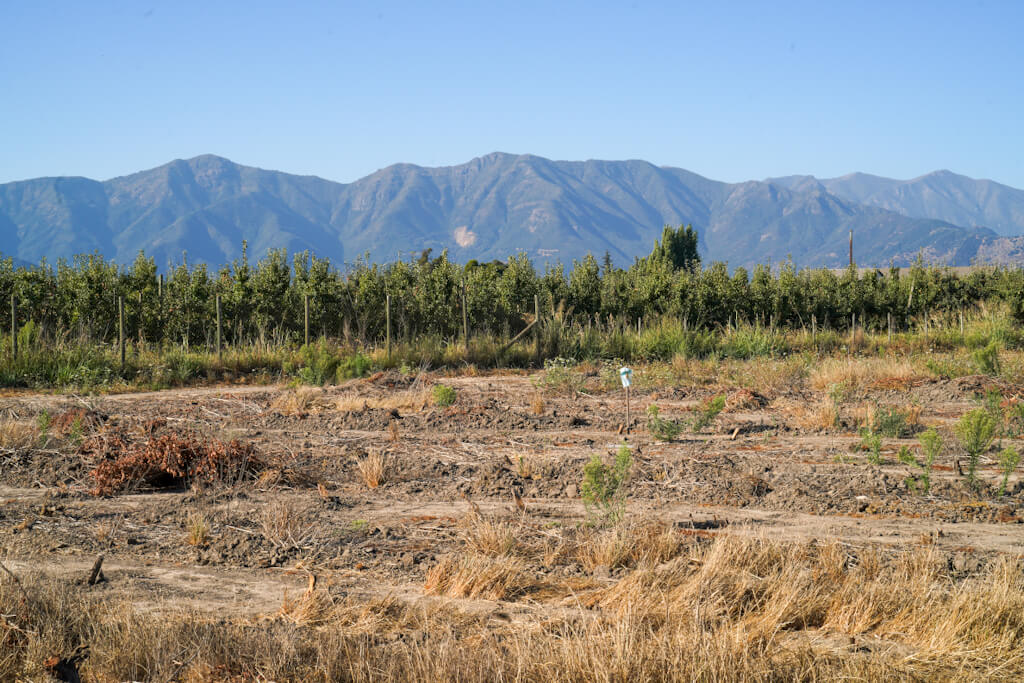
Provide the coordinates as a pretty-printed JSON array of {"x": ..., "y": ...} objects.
[
  {"x": 940, "y": 195},
  {"x": 496, "y": 205}
]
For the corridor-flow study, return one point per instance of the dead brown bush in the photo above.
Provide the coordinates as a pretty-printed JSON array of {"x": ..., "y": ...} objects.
[{"x": 166, "y": 460}]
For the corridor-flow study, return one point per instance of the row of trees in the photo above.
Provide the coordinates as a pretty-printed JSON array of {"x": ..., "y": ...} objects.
[{"x": 266, "y": 300}]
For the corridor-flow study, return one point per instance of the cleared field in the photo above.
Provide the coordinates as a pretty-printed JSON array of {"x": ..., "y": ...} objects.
[{"x": 363, "y": 532}]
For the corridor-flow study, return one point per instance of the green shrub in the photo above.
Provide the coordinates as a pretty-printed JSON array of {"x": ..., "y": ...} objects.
[
  {"x": 987, "y": 359},
  {"x": 753, "y": 342},
  {"x": 1009, "y": 458},
  {"x": 603, "y": 488},
  {"x": 976, "y": 430},
  {"x": 659, "y": 427},
  {"x": 319, "y": 364},
  {"x": 950, "y": 368},
  {"x": 892, "y": 422},
  {"x": 356, "y": 365},
  {"x": 707, "y": 412},
  {"x": 443, "y": 395},
  {"x": 697, "y": 344}
]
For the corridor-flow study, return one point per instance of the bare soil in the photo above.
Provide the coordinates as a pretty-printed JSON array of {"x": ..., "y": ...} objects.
[{"x": 752, "y": 472}]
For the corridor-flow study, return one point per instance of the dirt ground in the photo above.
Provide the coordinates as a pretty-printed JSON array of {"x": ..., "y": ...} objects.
[{"x": 753, "y": 471}]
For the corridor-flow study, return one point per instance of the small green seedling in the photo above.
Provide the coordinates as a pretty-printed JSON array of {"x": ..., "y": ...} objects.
[
  {"x": 1009, "y": 458},
  {"x": 660, "y": 428},
  {"x": 931, "y": 445},
  {"x": 975, "y": 431},
  {"x": 603, "y": 489},
  {"x": 872, "y": 443},
  {"x": 707, "y": 412}
]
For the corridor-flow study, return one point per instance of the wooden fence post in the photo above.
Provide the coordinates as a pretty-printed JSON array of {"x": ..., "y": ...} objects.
[
  {"x": 465, "y": 318},
  {"x": 14, "y": 327},
  {"x": 120, "y": 327},
  {"x": 536, "y": 336},
  {"x": 220, "y": 332},
  {"x": 889, "y": 321},
  {"x": 141, "y": 336},
  {"x": 387, "y": 326},
  {"x": 305, "y": 311},
  {"x": 160, "y": 307}
]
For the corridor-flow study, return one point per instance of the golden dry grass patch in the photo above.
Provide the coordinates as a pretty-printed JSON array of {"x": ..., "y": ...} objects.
[
  {"x": 18, "y": 434},
  {"x": 861, "y": 373},
  {"x": 374, "y": 469},
  {"x": 298, "y": 401},
  {"x": 818, "y": 416}
]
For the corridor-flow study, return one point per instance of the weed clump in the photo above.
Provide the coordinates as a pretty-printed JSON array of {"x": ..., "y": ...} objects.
[{"x": 560, "y": 376}]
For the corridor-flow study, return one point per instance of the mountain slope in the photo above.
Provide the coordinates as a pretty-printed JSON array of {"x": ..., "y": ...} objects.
[
  {"x": 499, "y": 204},
  {"x": 941, "y": 195}
]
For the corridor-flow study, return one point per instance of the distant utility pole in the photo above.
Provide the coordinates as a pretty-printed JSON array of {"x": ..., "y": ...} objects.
[{"x": 851, "y": 248}]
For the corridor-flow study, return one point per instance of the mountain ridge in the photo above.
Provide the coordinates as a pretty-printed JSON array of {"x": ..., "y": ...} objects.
[{"x": 500, "y": 203}]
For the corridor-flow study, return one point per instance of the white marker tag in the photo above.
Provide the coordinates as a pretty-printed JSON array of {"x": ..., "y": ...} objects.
[{"x": 626, "y": 375}]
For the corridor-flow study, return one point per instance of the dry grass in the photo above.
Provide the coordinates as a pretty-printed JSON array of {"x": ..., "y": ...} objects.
[
  {"x": 312, "y": 608},
  {"x": 817, "y": 417},
  {"x": 864, "y": 373},
  {"x": 479, "y": 576},
  {"x": 197, "y": 530},
  {"x": 490, "y": 536},
  {"x": 287, "y": 524},
  {"x": 18, "y": 435},
  {"x": 537, "y": 404},
  {"x": 730, "y": 608},
  {"x": 374, "y": 469},
  {"x": 298, "y": 401},
  {"x": 643, "y": 544},
  {"x": 414, "y": 399}
]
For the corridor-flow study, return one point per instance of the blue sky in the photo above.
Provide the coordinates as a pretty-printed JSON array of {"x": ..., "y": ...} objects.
[{"x": 730, "y": 90}]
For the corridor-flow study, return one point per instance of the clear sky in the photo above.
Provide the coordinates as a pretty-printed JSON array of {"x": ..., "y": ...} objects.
[{"x": 730, "y": 90}]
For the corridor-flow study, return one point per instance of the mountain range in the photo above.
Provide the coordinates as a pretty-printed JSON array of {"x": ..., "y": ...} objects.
[{"x": 500, "y": 204}]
